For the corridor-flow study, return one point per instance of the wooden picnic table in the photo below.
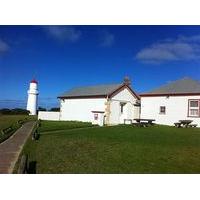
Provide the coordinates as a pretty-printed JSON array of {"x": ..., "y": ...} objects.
[
  {"x": 128, "y": 120},
  {"x": 183, "y": 123},
  {"x": 150, "y": 121},
  {"x": 144, "y": 122}
]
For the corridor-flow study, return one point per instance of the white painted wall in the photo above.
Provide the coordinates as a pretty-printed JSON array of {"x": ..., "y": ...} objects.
[
  {"x": 81, "y": 109},
  {"x": 114, "y": 117},
  {"x": 32, "y": 99},
  {"x": 176, "y": 109},
  {"x": 130, "y": 112},
  {"x": 98, "y": 119},
  {"x": 136, "y": 113},
  {"x": 46, "y": 115}
]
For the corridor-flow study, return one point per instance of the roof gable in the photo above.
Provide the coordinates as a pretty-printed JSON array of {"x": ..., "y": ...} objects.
[
  {"x": 121, "y": 89},
  {"x": 182, "y": 86}
]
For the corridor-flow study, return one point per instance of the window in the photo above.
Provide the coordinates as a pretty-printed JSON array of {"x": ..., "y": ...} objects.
[
  {"x": 162, "y": 109},
  {"x": 95, "y": 116},
  {"x": 193, "y": 110},
  {"x": 122, "y": 107}
]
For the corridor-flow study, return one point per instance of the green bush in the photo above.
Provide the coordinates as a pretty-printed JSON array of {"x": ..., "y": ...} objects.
[{"x": 55, "y": 109}]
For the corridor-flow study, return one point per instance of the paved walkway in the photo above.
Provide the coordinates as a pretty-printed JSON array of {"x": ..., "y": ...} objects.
[{"x": 11, "y": 148}]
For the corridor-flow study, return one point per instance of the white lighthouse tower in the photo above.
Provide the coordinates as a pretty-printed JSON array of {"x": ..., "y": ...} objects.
[{"x": 32, "y": 97}]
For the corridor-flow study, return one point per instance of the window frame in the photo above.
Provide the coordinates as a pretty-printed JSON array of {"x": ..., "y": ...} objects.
[
  {"x": 96, "y": 116},
  {"x": 122, "y": 104},
  {"x": 189, "y": 108},
  {"x": 162, "y": 113}
]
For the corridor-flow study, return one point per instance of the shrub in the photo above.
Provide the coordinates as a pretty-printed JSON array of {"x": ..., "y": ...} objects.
[
  {"x": 55, "y": 109},
  {"x": 41, "y": 109}
]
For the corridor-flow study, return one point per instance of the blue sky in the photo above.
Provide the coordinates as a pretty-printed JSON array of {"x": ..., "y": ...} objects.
[{"x": 63, "y": 57}]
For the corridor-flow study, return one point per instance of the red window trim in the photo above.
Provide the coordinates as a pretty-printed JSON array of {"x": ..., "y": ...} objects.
[{"x": 188, "y": 114}]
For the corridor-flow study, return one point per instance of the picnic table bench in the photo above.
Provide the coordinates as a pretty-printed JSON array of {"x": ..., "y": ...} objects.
[
  {"x": 143, "y": 122},
  {"x": 128, "y": 120},
  {"x": 192, "y": 125}
]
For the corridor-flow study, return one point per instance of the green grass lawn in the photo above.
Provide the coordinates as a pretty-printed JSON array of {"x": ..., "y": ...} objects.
[
  {"x": 118, "y": 149},
  {"x": 8, "y": 120},
  {"x": 62, "y": 125},
  {"x": 11, "y": 120}
]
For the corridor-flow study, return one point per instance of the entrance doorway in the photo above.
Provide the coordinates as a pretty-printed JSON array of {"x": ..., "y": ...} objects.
[{"x": 122, "y": 112}]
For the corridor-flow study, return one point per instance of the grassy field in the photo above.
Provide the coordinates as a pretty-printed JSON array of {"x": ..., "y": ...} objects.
[
  {"x": 119, "y": 149},
  {"x": 11, "y": 120},
  {"x": 8, "y": 120},
  {"x": 62, "y": 125}
]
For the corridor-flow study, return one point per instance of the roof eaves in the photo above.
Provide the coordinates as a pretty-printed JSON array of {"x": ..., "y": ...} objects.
[
  {"x": 82, "y": 96},
  {"x": 169, "y": 94}
]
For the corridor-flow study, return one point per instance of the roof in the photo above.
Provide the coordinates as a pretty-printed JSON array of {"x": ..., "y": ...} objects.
[
  {"x": 91, "y": 90},
  {"x": 34, "y": 81},
  {"x": 94, "y": 91},
  {"x": 179, "y": 87}
]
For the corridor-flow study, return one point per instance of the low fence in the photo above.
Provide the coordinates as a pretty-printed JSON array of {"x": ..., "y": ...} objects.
[
  {"x": 35, "y": 134},
  {"x": 49, "y": 115},
  {"x": 23, "y": 165}
]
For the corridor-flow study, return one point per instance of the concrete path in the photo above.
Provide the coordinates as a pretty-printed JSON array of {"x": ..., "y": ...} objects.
[{"x": 11, "y": 148}]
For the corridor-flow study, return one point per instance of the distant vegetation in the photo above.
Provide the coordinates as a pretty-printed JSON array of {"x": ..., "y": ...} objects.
[
  {"x": 45, "y": 109},
  {"x": 20, "y": 111},
  {"x": 55, "y": 109},
  {"x": 15, "y": 111},
  {"x": 41, "y": 109}
]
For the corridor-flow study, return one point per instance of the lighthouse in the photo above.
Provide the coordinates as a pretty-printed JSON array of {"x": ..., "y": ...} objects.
[{"x": 32, "y": 97}]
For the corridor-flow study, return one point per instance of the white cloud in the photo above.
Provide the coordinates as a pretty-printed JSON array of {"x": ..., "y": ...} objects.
[
  {"x": 4, "y": 47},
  {"x": 181, "y": 48},
  {"x": 65, "y": 33},
  {"x": 107, "y": 39}
]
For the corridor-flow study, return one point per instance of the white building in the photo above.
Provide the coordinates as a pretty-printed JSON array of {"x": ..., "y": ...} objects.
[
  {"x": 32, "y": 97},
  {"x": 178, "y": 100},
  {"x": 102, "y": 104},
  {"x": 118, "y": 103}
]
